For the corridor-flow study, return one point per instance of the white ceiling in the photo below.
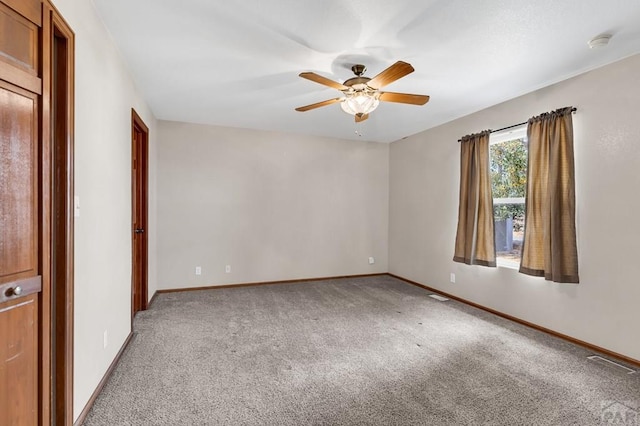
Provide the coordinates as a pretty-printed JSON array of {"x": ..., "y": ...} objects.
[{"x": 236, "y": 63}]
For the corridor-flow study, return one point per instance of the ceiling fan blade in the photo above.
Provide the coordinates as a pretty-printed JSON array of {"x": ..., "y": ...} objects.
[
  {"x": 323, "y": 80},
  {"x": 404, "y": 98},
  {"x": 361, "y": 117},
  {"x": 391, "y": 74},
  {"x": 318, "y": 104}
]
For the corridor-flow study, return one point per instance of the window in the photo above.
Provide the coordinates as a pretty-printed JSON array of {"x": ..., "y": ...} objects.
[{"x": 508, "y": 152}]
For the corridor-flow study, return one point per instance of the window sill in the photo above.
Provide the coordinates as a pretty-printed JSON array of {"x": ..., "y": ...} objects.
[{"x": 508, "y": 264}]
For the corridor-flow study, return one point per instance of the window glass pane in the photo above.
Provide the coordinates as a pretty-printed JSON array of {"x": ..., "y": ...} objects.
[
  {"x": 509, "y": 230},
  {"x": 508, "y": 168},
  {"x": 508, "y": 183}
]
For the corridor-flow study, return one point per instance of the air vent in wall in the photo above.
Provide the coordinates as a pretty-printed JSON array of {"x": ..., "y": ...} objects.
[
  {"x": 609, "y": 363},
  {"x": 438, "y": 297}
]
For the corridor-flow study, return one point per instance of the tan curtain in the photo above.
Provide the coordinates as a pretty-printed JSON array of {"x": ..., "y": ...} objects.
[
  {"x": 549, "y": 248},
  {"x": 475, "y": 244}
]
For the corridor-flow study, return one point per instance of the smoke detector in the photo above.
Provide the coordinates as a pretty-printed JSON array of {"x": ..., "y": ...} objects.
[{"x": 599, "y": 41}]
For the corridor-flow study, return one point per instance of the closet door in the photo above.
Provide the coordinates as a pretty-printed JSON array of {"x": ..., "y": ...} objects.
[{"x": 20, "y": 276}]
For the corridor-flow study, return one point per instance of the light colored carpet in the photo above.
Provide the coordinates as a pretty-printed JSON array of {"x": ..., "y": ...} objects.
[{"x": 364, "y": 351}]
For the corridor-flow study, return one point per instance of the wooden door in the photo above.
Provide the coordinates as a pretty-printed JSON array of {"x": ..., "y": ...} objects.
[
  {"x": 139, "y": 173},
  {"x": 20, "y": 250},
  {"x": 29, "y": 170}
]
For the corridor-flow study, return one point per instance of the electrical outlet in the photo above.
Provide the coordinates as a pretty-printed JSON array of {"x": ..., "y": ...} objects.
[
  {"x": 198, "y": 270},
  {"x": 105, "y": 339},
  {"x": 227, "y": 269},
  {"x": 453, "y": 278},
  {"x": 371, "y": 261}
]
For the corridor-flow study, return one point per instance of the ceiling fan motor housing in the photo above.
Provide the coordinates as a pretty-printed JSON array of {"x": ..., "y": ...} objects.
[{"x": 357, "y": 83}]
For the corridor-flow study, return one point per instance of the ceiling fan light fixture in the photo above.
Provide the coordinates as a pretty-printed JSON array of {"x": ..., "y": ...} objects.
[{"x": 359, "y": 103}]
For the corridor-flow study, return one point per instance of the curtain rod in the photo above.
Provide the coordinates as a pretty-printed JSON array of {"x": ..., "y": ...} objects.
[{"x": 574, "y": 109}]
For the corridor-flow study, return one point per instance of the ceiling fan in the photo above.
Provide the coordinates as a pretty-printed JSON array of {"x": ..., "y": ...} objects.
[{"x": 361, "y": 95}]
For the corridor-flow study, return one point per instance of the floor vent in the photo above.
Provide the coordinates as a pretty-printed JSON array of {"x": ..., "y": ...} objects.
[
  {"x": 609, "y": 363},
  {"x": 438, "y": 297}
]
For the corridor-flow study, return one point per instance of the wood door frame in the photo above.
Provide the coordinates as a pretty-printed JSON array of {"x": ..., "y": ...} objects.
[
  {"x": 57, "y": 179},
  {"x": 137, "y": 124},
  {"x": 62, "y": 151}
]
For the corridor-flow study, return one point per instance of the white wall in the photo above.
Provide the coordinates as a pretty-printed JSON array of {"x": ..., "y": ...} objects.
[
  {"x": 274, "y": 206},
  {"x": 105, "y": 94},
  {"x": 604, "y": 309}
]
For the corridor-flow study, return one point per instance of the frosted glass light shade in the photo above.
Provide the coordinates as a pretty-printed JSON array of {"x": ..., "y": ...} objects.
[{"x": 359, "y": 103}]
